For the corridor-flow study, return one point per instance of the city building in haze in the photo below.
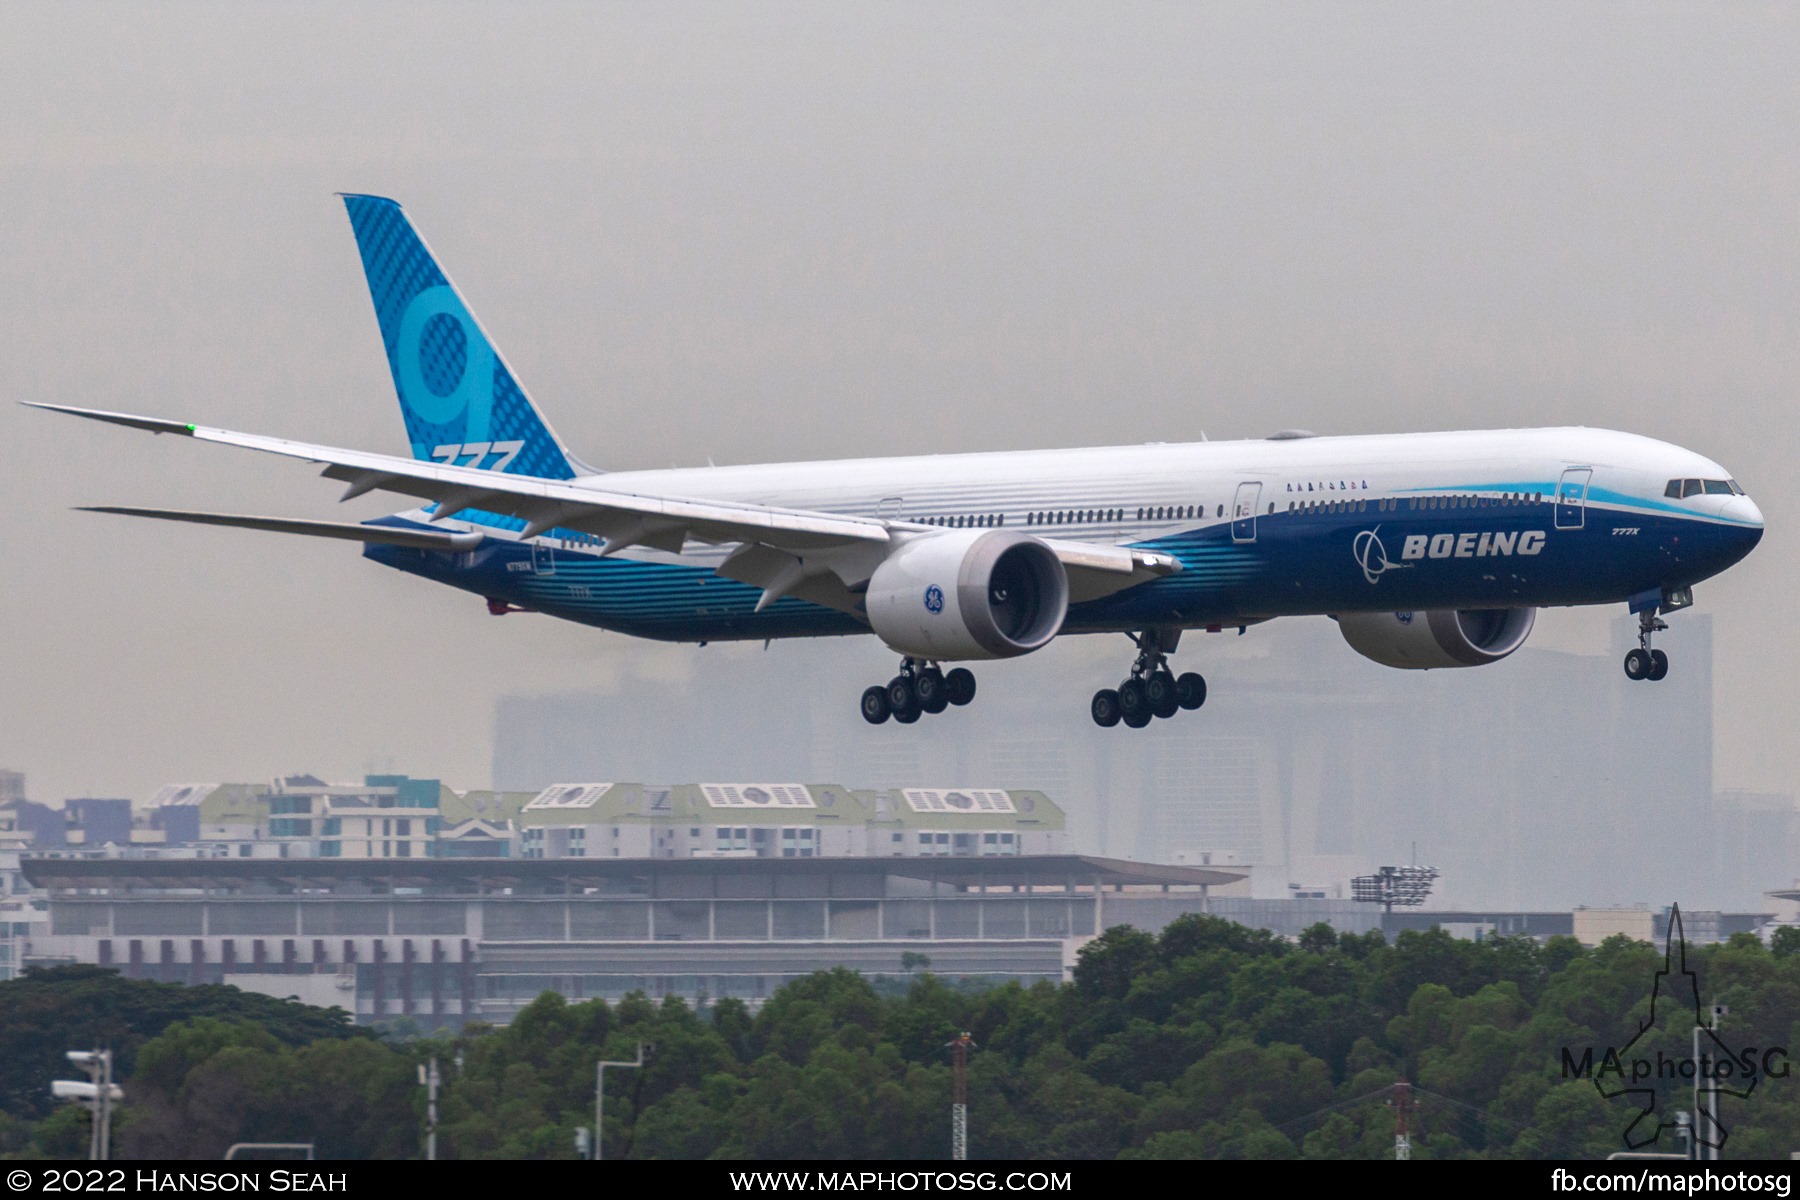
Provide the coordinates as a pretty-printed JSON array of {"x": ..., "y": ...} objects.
[
  {"x": 785, "y": 820},
  {"x": 1542, "y": 782},
  {"x": 23, "y": 908}
]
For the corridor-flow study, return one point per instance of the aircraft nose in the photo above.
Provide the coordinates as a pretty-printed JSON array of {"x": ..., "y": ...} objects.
[
  {"x": 1743, "y": 509},
  {"x": 1745, "y": 530}
]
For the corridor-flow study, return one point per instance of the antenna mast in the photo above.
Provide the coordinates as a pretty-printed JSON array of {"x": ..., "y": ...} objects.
[{"x": 959, "y": 1108}]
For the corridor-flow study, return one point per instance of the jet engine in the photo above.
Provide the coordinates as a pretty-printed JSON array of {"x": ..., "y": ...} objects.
[
  {"x": 1443, "y": 637},
  {"x": 968, "y": 593}
]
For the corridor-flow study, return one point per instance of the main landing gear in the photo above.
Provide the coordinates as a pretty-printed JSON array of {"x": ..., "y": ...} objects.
[
  {"x": 1152, "y": 690},
  {"x": 1645, "y": 663},
  {"x": 919, "y": 688}
]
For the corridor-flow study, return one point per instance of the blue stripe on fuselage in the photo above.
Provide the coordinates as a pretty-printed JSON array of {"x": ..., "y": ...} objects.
[{"x": 1596, "y": 494}]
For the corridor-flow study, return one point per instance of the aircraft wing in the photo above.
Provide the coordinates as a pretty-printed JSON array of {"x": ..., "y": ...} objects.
[
  {"x": 799, "y": 543},
  {"x": 381, "y": 535},
  {"x": 620, "y": 518}
]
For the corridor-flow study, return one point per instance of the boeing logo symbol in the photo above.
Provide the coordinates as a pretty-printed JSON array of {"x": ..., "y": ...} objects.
[
  {"x": 934, "y": 599},
  {"x": 1372, "y": 556}
]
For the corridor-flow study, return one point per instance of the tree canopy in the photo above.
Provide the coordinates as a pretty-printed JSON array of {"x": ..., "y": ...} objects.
[
  {"x": 46, "y": 1012},
  {"x": 1210, "y": 1040}
]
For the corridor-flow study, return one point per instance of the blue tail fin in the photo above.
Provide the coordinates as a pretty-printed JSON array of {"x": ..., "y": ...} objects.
[{"x": 460, "y": 400}]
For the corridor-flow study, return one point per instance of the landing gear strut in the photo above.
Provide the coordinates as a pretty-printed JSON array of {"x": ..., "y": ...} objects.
[
  {"x": 919, "y": 688},
  {"x": 1644, "y": 662},
  {"x": 1152, "y": 690}
]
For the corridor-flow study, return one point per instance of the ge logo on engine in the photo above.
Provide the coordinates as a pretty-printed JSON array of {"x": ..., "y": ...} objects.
[{"x": 934, "y": 599}]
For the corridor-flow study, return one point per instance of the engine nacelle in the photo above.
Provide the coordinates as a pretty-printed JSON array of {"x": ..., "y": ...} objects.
[
  {"x": 968, "y": 593},
  {"x": 1442, "y": 637}
]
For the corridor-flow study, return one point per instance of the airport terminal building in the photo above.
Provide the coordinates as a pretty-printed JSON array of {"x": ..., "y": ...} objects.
[{"x": 440, "y": 941}]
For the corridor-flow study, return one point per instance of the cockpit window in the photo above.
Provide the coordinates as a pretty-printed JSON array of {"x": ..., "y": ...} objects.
[{"x": 1681, "y": 489}]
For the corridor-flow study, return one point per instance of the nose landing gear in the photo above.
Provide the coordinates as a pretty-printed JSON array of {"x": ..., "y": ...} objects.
[
  {"x": 1645, "y": 662},
  {"x": 1152, "y": 690},
  {"x": 919, "y": 688}
]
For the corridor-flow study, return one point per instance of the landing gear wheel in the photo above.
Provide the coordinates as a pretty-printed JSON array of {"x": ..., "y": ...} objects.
[
  {"x": 929, "y": 687},
  {"x": 1134, "y": 703},
  {"x": 1105, "y": 708},
  {"x": 875, "y": 707},
  {"x": 918, "y": 689},
  {"x": 1190, "y": 689},
  {"x": 1159, "y": 691},
  {"x": 1645, "y": 662},
  {"x": 959, "y": 685}
]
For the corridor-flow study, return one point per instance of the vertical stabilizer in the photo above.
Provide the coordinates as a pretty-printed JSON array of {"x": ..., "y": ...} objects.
[{"x": 460, "y": 400}]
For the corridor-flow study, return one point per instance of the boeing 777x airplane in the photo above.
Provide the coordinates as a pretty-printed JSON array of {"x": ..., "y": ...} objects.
[{"x": 1429, "y": 549}]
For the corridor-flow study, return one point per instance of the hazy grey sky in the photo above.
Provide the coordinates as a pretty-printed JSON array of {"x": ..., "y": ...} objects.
[{"x": 775, "y": 230}]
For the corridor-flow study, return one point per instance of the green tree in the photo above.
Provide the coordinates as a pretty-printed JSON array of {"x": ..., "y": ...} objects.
[{"x": 47, "y": 1011}]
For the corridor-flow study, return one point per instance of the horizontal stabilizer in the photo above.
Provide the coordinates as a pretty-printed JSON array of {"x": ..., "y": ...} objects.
[{"x": 383, "y": 535}]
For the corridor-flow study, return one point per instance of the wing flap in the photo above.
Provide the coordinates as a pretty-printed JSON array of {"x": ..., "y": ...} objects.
[
  {"x": 1097, "y": 570},
  {"x": 1112, "y": 560}
]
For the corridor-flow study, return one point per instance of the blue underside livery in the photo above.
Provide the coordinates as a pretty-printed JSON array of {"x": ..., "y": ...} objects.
[{"x": 1302, "y": 562}]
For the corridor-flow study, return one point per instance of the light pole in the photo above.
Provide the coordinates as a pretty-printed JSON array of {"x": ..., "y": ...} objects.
[
  {"x": 1402, "y": 1131},
  {"x": 99, "y": 1095},
  {"x": 1706, "y": 1099},
  {"x": 429, "y": 1079},
  {"x": 600, "y": 1099}
]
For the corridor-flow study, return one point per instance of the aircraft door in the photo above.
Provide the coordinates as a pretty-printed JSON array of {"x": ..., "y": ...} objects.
[
  {"x": 1243, "y": 511},
  {"x": 543, "y": 557},
  {"x": 1571, "y": 497}
]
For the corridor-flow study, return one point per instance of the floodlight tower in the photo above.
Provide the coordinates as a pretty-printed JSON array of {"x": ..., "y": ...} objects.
[{"x": 1406, "y": 886}]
